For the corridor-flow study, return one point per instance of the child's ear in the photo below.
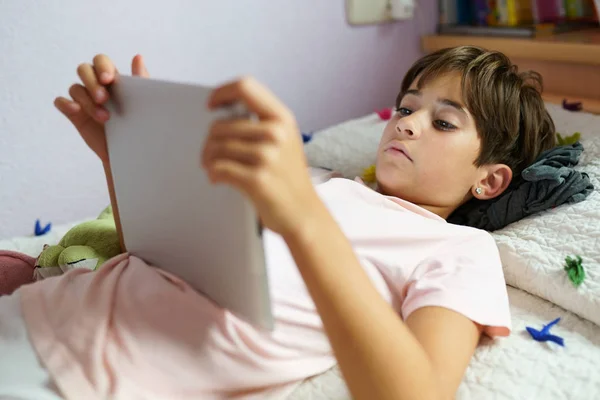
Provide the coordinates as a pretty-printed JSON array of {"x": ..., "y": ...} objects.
[{"x": 494, "y": 182}]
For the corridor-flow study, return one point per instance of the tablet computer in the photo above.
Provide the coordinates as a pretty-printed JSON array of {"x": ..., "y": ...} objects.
[{"x": 171, "y": 216}]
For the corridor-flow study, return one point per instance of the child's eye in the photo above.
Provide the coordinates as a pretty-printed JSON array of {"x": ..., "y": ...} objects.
[
  {"x": 403, "y": 111},
  {"x": 443, "y": 125}
]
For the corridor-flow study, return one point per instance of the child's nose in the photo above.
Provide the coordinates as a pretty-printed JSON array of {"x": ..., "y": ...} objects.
[
  {"x": 407, "y": 129},
  {"x": 409, "y": 132}
]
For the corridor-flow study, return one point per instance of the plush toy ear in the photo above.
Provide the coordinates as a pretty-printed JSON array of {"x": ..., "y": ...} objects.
[
  {"x": 107, "y": 213},
  {"x": 47, "y": 263},
  {"x": 49, "y": 256}
]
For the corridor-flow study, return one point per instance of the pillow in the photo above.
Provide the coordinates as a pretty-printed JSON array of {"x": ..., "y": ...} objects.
[{"x": 348, "y": 148}]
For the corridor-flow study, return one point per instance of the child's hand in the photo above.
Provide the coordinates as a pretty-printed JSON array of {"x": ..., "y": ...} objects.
[
  {"x": 86, "y": 111},
  {"x": 264, "y": 158}
]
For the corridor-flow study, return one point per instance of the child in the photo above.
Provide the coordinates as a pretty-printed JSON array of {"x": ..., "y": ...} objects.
[{"x": 374, "y": 280}]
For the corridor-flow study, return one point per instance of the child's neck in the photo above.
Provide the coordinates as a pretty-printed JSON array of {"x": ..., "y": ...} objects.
[{"x": 442, "y": 211}]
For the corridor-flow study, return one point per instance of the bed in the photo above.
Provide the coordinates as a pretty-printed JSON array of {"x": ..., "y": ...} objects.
[
  {"x": 515, "y": 367},
  {"x": 532, "y": 250}
]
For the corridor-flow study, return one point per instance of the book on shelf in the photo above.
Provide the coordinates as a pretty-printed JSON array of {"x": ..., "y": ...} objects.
[
  {"x": 549, "y": 11},
  {"x": 515, "y": 18},
  {"x": 525, "y": 31}
]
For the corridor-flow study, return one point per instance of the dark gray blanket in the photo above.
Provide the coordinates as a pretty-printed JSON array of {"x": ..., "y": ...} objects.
[{"x": 547, "y": 183}]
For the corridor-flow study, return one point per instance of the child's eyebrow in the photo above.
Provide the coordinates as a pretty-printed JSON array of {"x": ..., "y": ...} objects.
[{"x": 454, "y": 104}]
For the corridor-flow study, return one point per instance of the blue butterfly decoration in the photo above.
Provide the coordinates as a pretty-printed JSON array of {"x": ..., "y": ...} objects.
[
  {"x": 39, "y": 231},
  {"x": 544, "y": 335},
  {"x": 306, "y": 137}
]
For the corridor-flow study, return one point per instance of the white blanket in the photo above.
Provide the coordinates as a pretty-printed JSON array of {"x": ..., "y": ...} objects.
[
  {"x": 534, "y": 249},
  {"x": 33, "y": 245},
  {"x": 515, "y": 368}
]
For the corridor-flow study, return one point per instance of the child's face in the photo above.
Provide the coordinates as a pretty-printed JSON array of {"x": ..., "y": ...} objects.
[{"x": 428, "y": 148}]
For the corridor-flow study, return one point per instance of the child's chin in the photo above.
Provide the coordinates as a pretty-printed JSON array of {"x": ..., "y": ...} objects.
[
  {"x": 393, "y": 183},
  {"x": 392, "y": 175}
]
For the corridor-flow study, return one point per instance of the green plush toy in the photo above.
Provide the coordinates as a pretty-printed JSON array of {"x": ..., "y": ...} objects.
[{"x": 87, "y": 245}]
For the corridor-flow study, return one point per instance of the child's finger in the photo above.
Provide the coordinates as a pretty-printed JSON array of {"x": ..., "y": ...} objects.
[
  {"x": 87, "y": 74},
  {"x": 105, "y": 69},
  {"x": 245, "y": 129},
  {"x": 231, "y": 172},
  {"x": 81, "y": 96},
  {"x": 72, "y": 110},
  {"x": 255, "y": 96},
  {"x": 243, "y": 151},
  {"x": 138, "y": 68},
  {"x": 67, "y": 107}
]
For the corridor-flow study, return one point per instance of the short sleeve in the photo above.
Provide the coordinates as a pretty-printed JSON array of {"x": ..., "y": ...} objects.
[{"x": 465, "y": 276}]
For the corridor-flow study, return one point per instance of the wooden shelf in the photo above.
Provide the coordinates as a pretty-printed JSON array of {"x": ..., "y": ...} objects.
[
  {"x": 589, "y": 105},
  {"x": 581, "y": 47},
  {"x": 569, "y": 62}
]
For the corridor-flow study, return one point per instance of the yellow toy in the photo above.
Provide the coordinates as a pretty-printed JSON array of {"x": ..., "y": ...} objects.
[{"x": 369, "y": 176}]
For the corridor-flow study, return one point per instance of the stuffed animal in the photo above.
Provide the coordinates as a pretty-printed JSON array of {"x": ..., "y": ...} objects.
[{"x": 87, "y": 245}]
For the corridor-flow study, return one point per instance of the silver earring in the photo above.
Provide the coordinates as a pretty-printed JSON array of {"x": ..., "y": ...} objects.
[{"x": 478, "y": 190}]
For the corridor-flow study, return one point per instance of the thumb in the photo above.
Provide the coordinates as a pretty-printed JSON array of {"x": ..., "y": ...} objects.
[{"x": 138, "y": 68}]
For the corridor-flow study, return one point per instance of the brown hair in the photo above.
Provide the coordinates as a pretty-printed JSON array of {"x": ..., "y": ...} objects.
[{"x": 510, "y": 115}]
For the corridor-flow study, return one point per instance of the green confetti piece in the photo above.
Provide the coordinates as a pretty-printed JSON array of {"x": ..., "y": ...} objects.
[{"x": 575, "y": 270}]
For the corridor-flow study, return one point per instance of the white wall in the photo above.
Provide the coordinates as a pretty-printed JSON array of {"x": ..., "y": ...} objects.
[{"x": 325, "y": 70}]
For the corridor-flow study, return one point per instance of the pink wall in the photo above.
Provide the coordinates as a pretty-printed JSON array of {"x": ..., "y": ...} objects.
[{"x": 325, "y": 70}]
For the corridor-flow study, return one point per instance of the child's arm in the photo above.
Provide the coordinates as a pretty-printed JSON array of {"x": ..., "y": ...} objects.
[{"x": 380, "y": 356}]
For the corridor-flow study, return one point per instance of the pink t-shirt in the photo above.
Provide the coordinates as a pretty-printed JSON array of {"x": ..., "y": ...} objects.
[{"x": 130, "y": 331}]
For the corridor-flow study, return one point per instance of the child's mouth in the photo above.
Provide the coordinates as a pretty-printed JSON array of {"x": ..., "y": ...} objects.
[{"x": 398, "y": 150}]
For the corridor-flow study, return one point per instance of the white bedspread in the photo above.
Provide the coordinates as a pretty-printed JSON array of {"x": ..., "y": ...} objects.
[
  {"x": 517, "y": 367},
  {"x": 33, "y": 245},
  {"x": 534, "y": 249}
]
